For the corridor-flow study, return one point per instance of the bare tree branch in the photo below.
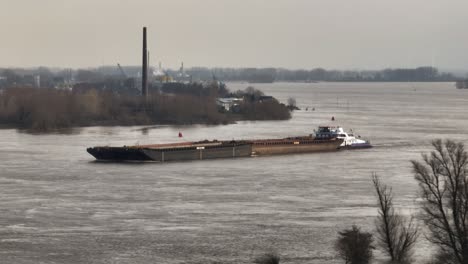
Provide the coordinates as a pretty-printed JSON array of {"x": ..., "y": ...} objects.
[
  {"x": 395, "y": 234},
  {"x": 442, "y": 178}
]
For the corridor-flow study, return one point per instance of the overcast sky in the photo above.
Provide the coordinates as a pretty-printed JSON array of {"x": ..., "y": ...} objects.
[{"x": 339, "y": 34}]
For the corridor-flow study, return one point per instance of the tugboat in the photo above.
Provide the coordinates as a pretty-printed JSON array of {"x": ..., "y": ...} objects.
[{"x": 349, "y": 140}]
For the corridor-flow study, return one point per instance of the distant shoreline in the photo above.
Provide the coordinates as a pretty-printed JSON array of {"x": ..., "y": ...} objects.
[{"x": 359, "y": 81}]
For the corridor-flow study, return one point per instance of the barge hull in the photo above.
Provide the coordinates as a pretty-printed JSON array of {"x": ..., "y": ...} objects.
[
  {"x": 200, "y": 153},
  {"x": 118, "y": 154},
  {"x": 278, "y": 148}
]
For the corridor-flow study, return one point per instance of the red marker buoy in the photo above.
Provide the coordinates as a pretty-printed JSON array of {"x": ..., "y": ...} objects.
[
  {"x": 333, "y": 118},
  {"x": 180, "y": 134}
]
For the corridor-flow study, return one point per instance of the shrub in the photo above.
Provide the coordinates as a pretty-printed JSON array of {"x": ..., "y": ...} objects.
[{"x": 354, "y": 246}]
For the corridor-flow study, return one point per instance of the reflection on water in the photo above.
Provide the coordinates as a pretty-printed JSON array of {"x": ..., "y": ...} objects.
[
  {"x": 57, "y": 205},
  {"x": 61, "y": 131}
]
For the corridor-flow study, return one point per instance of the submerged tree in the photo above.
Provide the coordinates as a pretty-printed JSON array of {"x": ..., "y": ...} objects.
[
  {"x": 268, "y": 258},
  {"x": 395, "y": 234},
  {"x": 354, "y": 246},
  {"x": 442, "y": 178},
  {"x": 292, "y": 105}
]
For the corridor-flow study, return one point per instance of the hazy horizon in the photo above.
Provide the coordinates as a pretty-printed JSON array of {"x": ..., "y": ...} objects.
[{"x": 296, "y": 34}]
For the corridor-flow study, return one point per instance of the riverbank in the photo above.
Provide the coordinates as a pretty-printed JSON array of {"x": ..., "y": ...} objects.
[{"x": 51, "y": 109}]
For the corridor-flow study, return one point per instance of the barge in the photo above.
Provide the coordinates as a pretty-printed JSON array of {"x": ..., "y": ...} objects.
[
  {"x": 174, "y": 152},
  {"x": 325, "y": 139},
  {"x": 202, "y": 150}
]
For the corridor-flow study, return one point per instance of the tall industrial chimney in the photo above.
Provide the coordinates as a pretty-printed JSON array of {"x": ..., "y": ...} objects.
[{"x": 144, "y": 75}]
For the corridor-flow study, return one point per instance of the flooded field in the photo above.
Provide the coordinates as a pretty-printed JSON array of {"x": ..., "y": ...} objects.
[{"x": 57, "y": 205}]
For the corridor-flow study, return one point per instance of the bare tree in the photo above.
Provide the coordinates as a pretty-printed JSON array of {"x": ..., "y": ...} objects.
[
  {"x": 442, "y": 178},
  {"x": 354, "y": 246},
  {"x": 395, "y": 234}
]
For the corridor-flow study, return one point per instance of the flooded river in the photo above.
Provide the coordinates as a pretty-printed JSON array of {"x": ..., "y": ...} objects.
[{"x": 59, "y": 206}]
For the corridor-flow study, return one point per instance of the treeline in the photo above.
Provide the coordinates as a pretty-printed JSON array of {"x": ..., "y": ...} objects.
[
  {"x": 213, "y": 89},
  {"x": 253, "y": 75},
  {"x": 420, "y": 74},
  {"x": 48, "y": 109},
  {"x": 128, "y": 79}
]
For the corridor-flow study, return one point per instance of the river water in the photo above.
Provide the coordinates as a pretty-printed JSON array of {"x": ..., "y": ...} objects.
[{"x": 59, "y": 206}]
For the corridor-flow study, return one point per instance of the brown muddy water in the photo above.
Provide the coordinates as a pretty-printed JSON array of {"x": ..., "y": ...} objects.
[{"x": 59, "y": 206}]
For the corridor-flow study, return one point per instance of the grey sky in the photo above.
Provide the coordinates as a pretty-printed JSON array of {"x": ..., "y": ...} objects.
[{"x": 343, "y": 34}]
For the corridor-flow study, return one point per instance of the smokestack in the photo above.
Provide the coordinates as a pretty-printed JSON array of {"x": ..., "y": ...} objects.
[{"x": 144, "y": 76}]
